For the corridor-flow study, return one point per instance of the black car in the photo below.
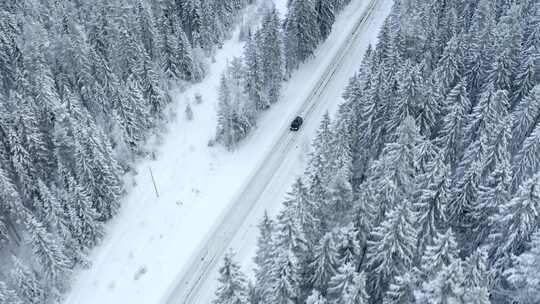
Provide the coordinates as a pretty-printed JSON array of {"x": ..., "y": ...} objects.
[{"x": 296, "y": 123}]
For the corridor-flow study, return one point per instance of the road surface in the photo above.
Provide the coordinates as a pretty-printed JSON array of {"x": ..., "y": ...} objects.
[{"x": 236, "y": 225}]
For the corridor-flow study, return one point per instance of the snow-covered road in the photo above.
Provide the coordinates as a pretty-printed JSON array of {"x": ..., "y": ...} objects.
[
  {"x": 236, "y": 227},
  {"x": 154, "y": 239}
]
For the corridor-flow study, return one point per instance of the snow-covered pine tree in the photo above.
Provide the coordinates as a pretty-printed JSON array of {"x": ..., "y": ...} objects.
[
  {"x": 402, "y": 289},
  {"x": 253, "y": 73},
  {"x": 325, "y": 17},
  {"x": 524, "y": 273},
  {"x": 527, "y": 160},
  {"x": 224, "y": 112},
  {"x": 48, "y": 252},
  {"x": 303, "y": 209},
  {"x": 211, "y": 31},
  {"x": 450, "y": 67},
  {"x": 263, "y": 258},
  {"x": 347, "y": 245},
  {"x": 324, "y": 264},
  {"x": 348, "y": 287},
  {"x": 451, "y": 138},
  {"x": 446, "y": 287},
  {"x": 441, "y": 252},
  {"x": 525, "y": 116},
  {"x": 318, "y": 172},
  {"x": 410, "y": 95},
  {"x": 432, "y": 204},
  {"x": 391, "y": 176},
  {"x": 390, "y": 249},
  {"x": 515, "y": 221},
  {"x": 27, "y": 284},
  {"x": 232, "y": 288},
  {"x": 477, "y": 278},
  {"x": 271, "y": 50},
  {"x": 301, "y": 32},
  {"x": 285, "y": 277},
  {"x": 132, "y": 112}
]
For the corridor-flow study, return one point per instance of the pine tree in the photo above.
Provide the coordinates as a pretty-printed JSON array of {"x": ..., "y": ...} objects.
[
  {"x": 340, "y": 197},
  {"x": 402, "y": 289},
  {"x": 446, "y": 287},
  {"x": 289, "y": 234},
  {"x": 285, "y": 277},
  {"x": 264, "y": 257},
  {"x": 410, "y": 95},
  {"x": 132, "y": 113},
  {"x": 47, "y": 251},
  {"x": 319, "y": 172},
  {"x": 235, "y": 115},
  {"x": 325, "y": 17},
  {"x": 254, "y": 78},
  {"x": 26, "y": 283},
  {"x": 224, "y": 113},
  {"x": 302, "y": 208},
  {"x": 516, "y": 222},
  {"x": 464, "y": 195},
  {"x": 270, "y": 47},
  {"x": 451, "y": 138},
  {"x": 391, "y": 249},
  {"x": 50, "y": 209},
  {"x": 302, "y": 30},
  {"x": 507, "y": 42},
  {"x": 524, "y": 273},
  {"x": 232, "y": 287},
  {"x": 450, "y": 66},
  {"x": 356, "y": 293},
  {"x": 348, "y": 286},
  {"x": 363, "y": 221},
  {"x": 526, "y": 162},
  {"x": 432, "y": 204},
  {"x": 151, "y": 88},
  {"x": 525, "y": 115},
  {"x": 391, "y": 176},
  {"x": 440, "y": 253},
  {"x": 83, "y": 217},
  {"x": 210, "y": 33},
  {"x": 324, "y": 265},
  {"x": 342, "y": 281},
  {"x": 476, "y": 278},
  {"x": 170, "y": 51},
  {"x": 525, "y": 80},
  {"x": 347, "y": 245},
  {"x": 290, "y": 42}
]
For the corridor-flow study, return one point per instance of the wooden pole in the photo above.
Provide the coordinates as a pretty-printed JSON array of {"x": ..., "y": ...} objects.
[{"x": 153, "y": 181}]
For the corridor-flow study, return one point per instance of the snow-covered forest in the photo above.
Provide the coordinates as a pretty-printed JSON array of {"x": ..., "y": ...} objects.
[
  {"x": 252, "y": 83},
  {"x": 82, "y": 85},
  {"x": 425, "y": 186}
]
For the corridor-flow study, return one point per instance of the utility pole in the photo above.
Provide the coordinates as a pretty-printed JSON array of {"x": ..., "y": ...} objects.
[{"x": 153, "y": 181}]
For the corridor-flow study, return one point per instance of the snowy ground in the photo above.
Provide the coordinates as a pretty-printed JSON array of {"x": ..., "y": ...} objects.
[{"x": 148, "y": 243}]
